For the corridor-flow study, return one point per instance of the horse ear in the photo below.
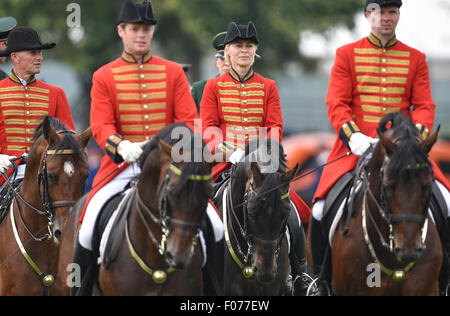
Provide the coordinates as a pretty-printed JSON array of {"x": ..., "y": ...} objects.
[
  {"x": 165, "y": 147},
  {"x": 428, "y": 143},
  {"x": 257, "y": 176},
  {"x": 389, "y": 146},
  {"x": 49, "y": 133},
  {"x": 288, "y": 176},
  {"x": 85, "y": 137}
]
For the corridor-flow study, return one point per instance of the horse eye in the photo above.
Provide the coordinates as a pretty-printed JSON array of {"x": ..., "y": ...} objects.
[{"x": 52, "y": 177}]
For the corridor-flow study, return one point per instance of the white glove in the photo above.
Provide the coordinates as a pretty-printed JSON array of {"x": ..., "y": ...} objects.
[
  {"x": 237, "y": 156},
  {"x": 359, "y": 143},
  {"x": 129, "y": 151},
  {"x": 5, "y": 163}
]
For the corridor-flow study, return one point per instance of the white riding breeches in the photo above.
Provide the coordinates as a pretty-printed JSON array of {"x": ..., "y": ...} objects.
[
  {"x": 318, "y": 207},
  {"x": 99, "y": 199}
]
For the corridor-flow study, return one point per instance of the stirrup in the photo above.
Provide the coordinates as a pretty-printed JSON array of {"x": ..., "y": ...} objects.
[
  {"x": 313, "y": 288},
  {"x": 447, "y": 290}
]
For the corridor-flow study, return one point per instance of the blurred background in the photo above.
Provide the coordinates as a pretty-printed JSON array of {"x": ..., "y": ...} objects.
[{"x": 298, "y": 40}]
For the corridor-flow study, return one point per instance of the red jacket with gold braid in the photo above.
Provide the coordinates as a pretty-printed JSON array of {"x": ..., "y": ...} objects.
[
  {"x": 367, "y": 82},
  {"x": 239, "y": 108},
  {"x": 134, "y": 101},
  {"x": 23, "y": 109}
]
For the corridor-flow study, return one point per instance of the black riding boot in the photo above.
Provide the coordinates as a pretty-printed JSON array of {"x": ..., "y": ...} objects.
[
  {"x": 297, "y": 256},
  {"x": 319, "y": 248},
  {"x": 86, "y": 261}
]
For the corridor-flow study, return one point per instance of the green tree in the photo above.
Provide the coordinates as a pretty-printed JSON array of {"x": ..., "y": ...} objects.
[{"x": 185, "y": 29}]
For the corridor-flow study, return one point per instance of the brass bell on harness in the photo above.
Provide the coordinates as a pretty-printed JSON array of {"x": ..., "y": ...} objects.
[
  {"x": 399, "y": 276},
  {"x": 48, "y": 280},
  {"x": 159, "y": 277},
  {"x": 248, "y": 272}
]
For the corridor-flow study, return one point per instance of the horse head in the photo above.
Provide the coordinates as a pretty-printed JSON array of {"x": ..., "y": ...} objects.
[
  {"x": 61, "y": 167},
  {"x": 183, "y": 188},
  {"x": 266, "y": 207},
  {"x": 405, "y": 178}
]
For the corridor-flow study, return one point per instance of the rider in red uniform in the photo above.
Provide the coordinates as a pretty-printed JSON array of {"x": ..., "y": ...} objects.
[
  {"x": 241, "y": 102},
  {"x": 370, "y": 78}
]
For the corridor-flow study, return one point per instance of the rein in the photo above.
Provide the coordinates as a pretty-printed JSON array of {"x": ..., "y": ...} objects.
[
  {"x": 164, "y": 222},
  {"x": 398, "y": 275},
  {"x": 249, "y": 239},
  {"x": 49, "y": 212}
]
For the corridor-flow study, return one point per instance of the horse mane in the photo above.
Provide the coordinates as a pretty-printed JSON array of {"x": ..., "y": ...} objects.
[
  {"x": 409, "y": 152},
  {"x": 193, "y": 188},
  {"x": 270, "y": 180},
  {"x": 68, "y": 141}
]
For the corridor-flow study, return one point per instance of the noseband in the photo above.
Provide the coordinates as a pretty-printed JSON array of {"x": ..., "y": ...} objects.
[
  {"x": 165, "y": 221},
  {"x": 249, "y": 239}
]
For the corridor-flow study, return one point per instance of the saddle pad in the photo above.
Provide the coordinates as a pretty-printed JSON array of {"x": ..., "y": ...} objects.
[
  {"x": 114, "y": 229},
  {"x": 106, "y": 232}
]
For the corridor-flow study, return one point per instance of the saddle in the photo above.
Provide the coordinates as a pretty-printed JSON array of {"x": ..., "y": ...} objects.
[
  {"x": 348, "y": 187},
  {"x": 119, "y": 207}
]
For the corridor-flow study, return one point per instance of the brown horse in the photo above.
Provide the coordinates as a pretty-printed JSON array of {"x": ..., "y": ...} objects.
[
  {"x": 56, "y": 170},
  {"x": 392, "y": 246},
  {"x": 159, "y": 253},
  {"x": 256, "y": 208}
]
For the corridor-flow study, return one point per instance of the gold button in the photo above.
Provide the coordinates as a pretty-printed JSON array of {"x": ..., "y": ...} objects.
[
  {"x": 147, "y": 127},
  {"x": 383, "y": 70},
  {"x": 384, "y": 50},
  {"x": 245, "y": 119},
  {"x": 146, "y": 117},
  {"x": 245, "y": 110},
  {"x": 244, "y": 93},
  {"x": 246, "y": 136},
  {"x": 384, "y": 99},
  {"x": 244, "y": 102},
  {"x": 28, "y": 112},
  {"x": 242, "y": 85},
  {"x": 142, "y": 76},
  {"x": 27, "y": 95},
  {"x": 384, "y": 109},
  {"x": 384, "y": 89},
  {"x": 28, "y": 139},
  {"x": 144, "y": 86},
  {"x": 384, "y": 60},
  {"x": 28, "y": 131},
  {"x": 144, "y": 96},
  {"x": 145, "y": 106},
  {"x": 28, "y": 122},
  {"x": 147, "y": 137},
  {"x": 141, "y": 66},
  {"x": 246, "y": 128},
  {"x": 384, "y": 79},
  {"x": 28, "y": 103}
]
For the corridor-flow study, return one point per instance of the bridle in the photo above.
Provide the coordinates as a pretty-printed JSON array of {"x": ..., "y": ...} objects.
[
  {"x": 49, "y": 204},
  {"x": 383, "y": 208},
  {"x": 48, "y": 212},
  {"x": 250, "y": 240},
  {"x": 164, "y": 221}
]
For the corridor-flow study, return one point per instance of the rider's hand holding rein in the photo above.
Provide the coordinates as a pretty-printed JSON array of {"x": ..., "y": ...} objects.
[
  {"x": 5, "y": 163},
  {"x": 129, "y": 151},
  {"x": 360, "y": 143}
]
